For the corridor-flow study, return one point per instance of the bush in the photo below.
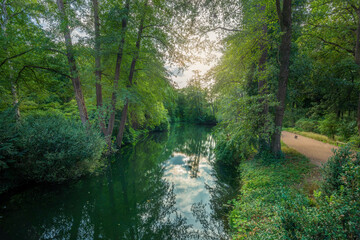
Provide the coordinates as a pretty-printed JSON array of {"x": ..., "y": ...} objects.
[
  {"x": 355, "y": 141},
  {"x": 333, "y": 170},
  {"x": 55, "y": 149},
  {"x": 269, "y": 208},
  {"x": 226, "y": 153},
  {"x": 163, "y": 126},
  {"x": 334, "y": 213},
  {"x": 347, "y": 129},
  {"x": 329, "y": 126},
  {"x": 306, "y": 125},
  {"x": 8, "y": 138}
]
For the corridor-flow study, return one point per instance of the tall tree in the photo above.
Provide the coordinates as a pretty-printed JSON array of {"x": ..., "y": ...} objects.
[
  {"x": 99, "y": 98},
  {"x": 285, "y": 21},
  {"x": 119, "y": 59},
  {"x": 124, "y": 113},
  {"x": 75, "y": 78}
]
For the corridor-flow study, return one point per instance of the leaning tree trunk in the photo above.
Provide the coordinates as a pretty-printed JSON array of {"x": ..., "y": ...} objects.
[
  {"x": 72, "y": 64},
  {"x": 285, "y": 47},
  {"x": 131, "y": 77},
  {"x": 119, "y": 58},
  {"x": 99, "y": 98}
]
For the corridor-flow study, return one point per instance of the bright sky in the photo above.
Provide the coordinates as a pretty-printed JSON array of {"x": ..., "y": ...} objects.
[{"x": 182, "y": 78}]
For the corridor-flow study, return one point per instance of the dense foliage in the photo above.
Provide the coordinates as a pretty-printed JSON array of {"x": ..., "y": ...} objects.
[
  {"x": 48, "y": 148},
  {"x": 54, "y": 149},
  {"x": 273, "y": 203},
  {"x": 101, "y": 63}
]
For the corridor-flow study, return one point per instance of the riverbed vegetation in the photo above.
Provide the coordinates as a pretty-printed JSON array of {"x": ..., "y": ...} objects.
[{"x": 81, "y": 79}]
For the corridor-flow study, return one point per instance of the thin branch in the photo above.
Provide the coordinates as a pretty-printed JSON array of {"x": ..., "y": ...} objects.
[
  {"x": 332, "y": 43},
  {"x": 15, "y": 56},
  {"x": 154, "y": 25},
  {"x": 225, "y": 29},
  {"x": 55, "y": 50},
  {"x": 49, "y": 69},
  {"x": 18, "y": 76},
  {"x": 221, "y": 28},
  {"x": 15, "y": 14},
  {"x": 153, "y": 37}
]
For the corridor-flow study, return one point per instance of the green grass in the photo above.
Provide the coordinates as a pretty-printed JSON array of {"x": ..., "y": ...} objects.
[{"x": 263, "y": 187}]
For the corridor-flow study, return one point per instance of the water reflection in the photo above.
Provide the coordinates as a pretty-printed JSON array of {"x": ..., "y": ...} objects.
[{"x": 165, "y": 187}]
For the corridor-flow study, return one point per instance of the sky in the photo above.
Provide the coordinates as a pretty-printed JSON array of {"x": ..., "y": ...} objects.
[{"x": 182, "y": 78}]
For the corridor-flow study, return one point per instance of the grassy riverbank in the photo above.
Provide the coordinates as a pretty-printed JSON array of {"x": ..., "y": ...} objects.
[{"x": 288, "y": 200}]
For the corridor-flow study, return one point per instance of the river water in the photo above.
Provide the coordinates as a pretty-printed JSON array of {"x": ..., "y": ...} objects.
[{"x": 167, "y": 186}]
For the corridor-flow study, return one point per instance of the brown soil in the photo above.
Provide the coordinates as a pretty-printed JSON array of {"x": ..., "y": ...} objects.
[{"x": 318, "y": 152}]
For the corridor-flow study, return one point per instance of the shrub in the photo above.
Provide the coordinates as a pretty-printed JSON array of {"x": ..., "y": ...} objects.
[
  {"x": 355, "y": 141},
  {"x": 335, "y": 214},
  {"x": 163, "y": 126},
  {"x": 347, "y": 129},
  {"x": 306, "y": 125},
  {"x": 55, "y": 149},
  {"x": 268, "y": 208},
  {"x": 333, "y": 170},
  {"x": 8, "y": 138},
  {"x": 226, "y": 153},
  {"x": 329, "y": 126}
]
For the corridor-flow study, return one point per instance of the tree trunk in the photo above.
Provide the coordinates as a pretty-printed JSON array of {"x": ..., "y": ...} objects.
[
  {"x": 131, "y": 77},
  {"x": 15, "y": 100},
  {"x": 285, "y": 47},
  {"x": 99, "y": 100},
  {"x": 263, "y": 87},
  {"x": 72, "y": 63},
  {"x": 357, "y": 61},
  {"x": 119, "y": 58},
  {"x": 120, "y": 134}
]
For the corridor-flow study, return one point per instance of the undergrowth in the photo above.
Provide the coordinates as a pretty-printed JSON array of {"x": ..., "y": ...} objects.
[{"x": 288, "y": 199}]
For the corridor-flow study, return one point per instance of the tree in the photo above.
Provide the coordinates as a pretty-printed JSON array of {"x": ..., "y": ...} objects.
[
  {"x": 99, "y": 98},
  {"x": 285, "y": 21},
  {"x": 75, "y": 78},
  {"x": 119, "y": 59},
  {"x": 131, "y": 74},
  {"x": 337, "y": 25}
]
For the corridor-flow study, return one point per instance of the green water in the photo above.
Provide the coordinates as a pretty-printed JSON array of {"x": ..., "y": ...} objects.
[{"x": 165, "y": 187}]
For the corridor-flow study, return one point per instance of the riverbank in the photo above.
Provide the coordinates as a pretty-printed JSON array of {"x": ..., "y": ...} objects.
[
  {"x": 263, "y": 189},
  {"x": 294, "y": 199}
]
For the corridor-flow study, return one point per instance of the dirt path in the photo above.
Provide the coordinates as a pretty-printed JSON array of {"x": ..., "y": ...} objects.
[{"x": 318, "y": 152}]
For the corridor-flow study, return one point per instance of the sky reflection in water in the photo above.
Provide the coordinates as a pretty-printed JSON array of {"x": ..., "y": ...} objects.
[{"x": 157, "y": 189}]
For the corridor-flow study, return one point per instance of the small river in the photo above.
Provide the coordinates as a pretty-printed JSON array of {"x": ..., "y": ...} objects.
[{"x": 167, "y": 186}]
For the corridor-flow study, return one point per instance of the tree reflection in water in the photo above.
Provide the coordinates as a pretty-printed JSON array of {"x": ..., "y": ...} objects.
[{"x": 164, "y": 187}]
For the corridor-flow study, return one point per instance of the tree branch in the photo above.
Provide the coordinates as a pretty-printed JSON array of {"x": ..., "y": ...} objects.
[
  {"x": 153, "y": 37},
  {"x": 15, "y": 56},
  {"x": 332, "y": 43},
  {"x": 49, "y": 69},
  {"x": 55, "y": 50},
  {"x": 154, "y": 25}
]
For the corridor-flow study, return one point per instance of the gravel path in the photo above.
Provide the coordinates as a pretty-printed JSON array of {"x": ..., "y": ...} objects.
[{"x": 318, "y": 152}]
